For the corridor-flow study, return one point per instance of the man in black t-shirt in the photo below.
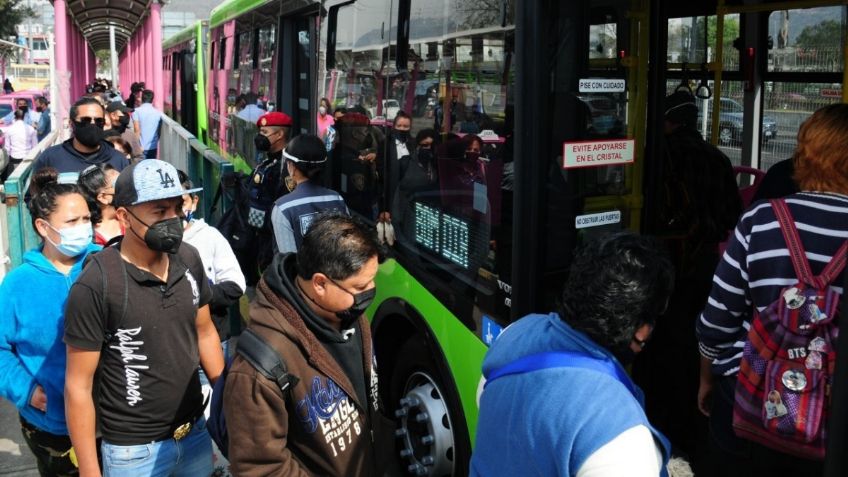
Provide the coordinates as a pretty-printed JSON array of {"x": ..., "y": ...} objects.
[{"x": 139, "y": 316}]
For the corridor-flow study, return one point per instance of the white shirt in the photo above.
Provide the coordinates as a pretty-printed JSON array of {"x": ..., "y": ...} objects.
[
  {"x": 20, "y": 139},
  {"x": 632, "y": 453},
  {"x": 251, "y": 113},
  {"x": 401, "y": 148}
]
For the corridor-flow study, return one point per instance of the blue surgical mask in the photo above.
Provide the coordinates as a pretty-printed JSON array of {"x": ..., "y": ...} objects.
[{"x": 73, "y": 240}]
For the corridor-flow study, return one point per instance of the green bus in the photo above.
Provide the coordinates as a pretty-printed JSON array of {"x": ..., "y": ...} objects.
[
  {"x": 184, "y": 83},
  {"x": 569, "y": 118}
]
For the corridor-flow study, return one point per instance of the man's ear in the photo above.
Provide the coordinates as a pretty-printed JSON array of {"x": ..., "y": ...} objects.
[
  {"x": 123, "y": 217},
  {"x": 319, "y": 283}
]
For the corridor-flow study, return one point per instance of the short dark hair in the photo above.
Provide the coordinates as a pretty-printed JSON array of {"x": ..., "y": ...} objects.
[
  {"x": 311, "y": 151},
  {"x": 82, "y": 102},
  {"x": 616, "y": 284},
  {"x": 21, "y": 100},
  {"x": 42, "y": 100},
  {"x": 425, "y": 133},
  {"x": 338, "y": 246},
  {"x": 401, "y": 115},
  {"x": 185, "y": 181},
  {"x": 19, "y": 115},
  {"x": 147, "y": 96}
]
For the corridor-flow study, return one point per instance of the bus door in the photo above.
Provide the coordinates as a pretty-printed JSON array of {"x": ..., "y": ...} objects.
[
  {"x": 593, "y": 182},
  {"x": 298, "y": 45}
]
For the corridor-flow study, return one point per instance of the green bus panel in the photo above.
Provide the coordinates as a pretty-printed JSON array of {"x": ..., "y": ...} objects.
[{"x": 463, "y": 349}]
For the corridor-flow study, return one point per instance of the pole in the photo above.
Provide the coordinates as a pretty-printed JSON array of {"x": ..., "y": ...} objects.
[{"x": 113, "y": 56}]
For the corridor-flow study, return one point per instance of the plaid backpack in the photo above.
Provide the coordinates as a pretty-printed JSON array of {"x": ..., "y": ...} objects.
[{"x": 784, "y": 387}]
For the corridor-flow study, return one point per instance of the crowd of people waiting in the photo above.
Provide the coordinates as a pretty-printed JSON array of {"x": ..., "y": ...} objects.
[{"x": 115, "y": 327}]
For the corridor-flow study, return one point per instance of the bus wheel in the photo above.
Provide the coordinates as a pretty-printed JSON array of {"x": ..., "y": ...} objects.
[{"x": 426, "y": 431}]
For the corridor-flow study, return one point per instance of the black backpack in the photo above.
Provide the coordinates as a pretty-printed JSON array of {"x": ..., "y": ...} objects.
[
  {"x": 267, "y": 361},
  {"x": 233, "y": 223}
]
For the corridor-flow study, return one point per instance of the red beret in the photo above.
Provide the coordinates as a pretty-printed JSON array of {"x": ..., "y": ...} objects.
[
  {"x": 353, "y": 119},
  {"x": 274, "y": 118}
]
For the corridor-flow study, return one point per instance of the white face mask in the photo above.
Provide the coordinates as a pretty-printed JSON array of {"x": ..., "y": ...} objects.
[
  {"x": 322, "y": 110},
  {"x": 72, "y": 240}
]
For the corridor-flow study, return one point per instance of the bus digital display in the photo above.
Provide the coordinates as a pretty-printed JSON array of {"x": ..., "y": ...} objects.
[{"x": 443, "y": 234}]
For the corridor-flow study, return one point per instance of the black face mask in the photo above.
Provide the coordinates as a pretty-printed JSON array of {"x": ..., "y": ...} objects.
[
  {"x": 425, "y": 155},
  {"x": 361, "y": 302},
  {"x": 262, "y": 143},
  {"x": 471, "y": 156},
  {"x": 625, "y": 356},
  {"x": 24, "y": 109},
  {"x": 401, "y": 136},
  {"x": 89, "y": 135},
  {"x": 163, "y": 236},
  {"x": 39, "y": 109},
  {"x": 122, "y": 124}
]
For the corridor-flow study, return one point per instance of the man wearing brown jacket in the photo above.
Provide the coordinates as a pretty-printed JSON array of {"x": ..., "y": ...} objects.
[{"x": 309, "y": 307}]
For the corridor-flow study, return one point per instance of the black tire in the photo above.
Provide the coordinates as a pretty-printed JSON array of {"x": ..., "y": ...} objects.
[{"x": 414, "y": 360}]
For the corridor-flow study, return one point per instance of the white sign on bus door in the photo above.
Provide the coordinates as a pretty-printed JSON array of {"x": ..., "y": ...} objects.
[
  {"x": 601, "y": 85},
  {"x": 596, "y": 220},
  {"x": 597, "y": 153}
]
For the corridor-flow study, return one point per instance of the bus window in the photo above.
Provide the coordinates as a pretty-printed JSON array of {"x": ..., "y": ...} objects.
[
  {"x": 243, "y": 72},
  {"x": 450, "y": 199},
  {"x": 267, "y": 64},
  {"x": 786, "y": 106},
  {"x": 356, "y": 83},
  {"x": 808, "y": 40}
]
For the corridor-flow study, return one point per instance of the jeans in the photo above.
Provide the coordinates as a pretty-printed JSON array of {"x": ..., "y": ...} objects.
[
  {"x": 190, "y": 456},
  {"x": 151, "y": 153}
]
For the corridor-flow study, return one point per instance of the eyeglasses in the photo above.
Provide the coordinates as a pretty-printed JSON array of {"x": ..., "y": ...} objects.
[{"x": 85, "y": 120}]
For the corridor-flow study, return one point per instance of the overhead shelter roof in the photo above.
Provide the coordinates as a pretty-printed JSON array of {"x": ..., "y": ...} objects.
[{"x": 94, "y": 17}]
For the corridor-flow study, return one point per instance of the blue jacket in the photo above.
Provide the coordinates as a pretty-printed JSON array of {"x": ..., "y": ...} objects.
[
  {"x": 294, "y": 212},
  {"x": 32, "y": 303},
  {"x": 548, "y": 422}
]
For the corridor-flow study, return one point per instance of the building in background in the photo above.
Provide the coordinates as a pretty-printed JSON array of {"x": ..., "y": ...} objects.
[{"x": 178, "y": 14}]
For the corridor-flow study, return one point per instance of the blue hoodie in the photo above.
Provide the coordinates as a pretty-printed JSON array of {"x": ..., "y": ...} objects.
[
  {"x": 548, "y": 422},
  {"x": 32, "y": 304}
]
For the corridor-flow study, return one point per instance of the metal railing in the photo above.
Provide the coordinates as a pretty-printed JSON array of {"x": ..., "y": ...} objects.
[
  {"x": 18, "y": 236},
  {"x": 177, "y": 146},
  {"x": 203, "y": 165}
]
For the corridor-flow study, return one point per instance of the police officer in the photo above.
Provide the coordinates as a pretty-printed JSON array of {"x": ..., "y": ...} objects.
[
  {"x": 305, "y": 157},
  {"x": 266, "y": 186}
]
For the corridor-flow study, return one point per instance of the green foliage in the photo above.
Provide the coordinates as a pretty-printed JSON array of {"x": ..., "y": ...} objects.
[
  {"x": 826, "y": 34},
  {"x": 731, "y": 31},
  {"x": 13, "y": 13},
  {"x": 104, "y": 57}
]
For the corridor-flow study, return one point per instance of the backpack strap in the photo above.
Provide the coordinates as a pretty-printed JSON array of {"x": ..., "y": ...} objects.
[
  {"x": 799, "y": 255},
  {"x": 115, "y": 292},
  {"x": 561, "y": 359},
  {"x": 262, "y": 356}
]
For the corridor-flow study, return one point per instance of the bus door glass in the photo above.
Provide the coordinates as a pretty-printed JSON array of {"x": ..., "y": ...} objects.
[
  {"x": 598, "y": 130},
  {"x": 357, "y": 57},
  {"x": 448, "y": 183}
]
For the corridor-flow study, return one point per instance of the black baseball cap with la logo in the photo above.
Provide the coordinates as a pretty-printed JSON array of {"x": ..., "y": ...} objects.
[{"x": 146, "y": 181}]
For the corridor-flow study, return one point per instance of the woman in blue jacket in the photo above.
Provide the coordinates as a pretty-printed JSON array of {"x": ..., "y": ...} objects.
[{"x": 32, "y": 303}]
